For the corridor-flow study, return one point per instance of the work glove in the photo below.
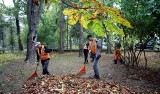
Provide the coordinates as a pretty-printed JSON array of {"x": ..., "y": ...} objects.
[{"x": 89, "y": 51}]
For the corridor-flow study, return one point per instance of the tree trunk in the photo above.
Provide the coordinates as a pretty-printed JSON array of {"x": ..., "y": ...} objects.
[
  {"x": 62, "y": 25},
  {"x": 102, "y": 44},
  {"x": 81, "y": 41},
  {"x": 124, "y": 47},
  {"x": 67, "y": 35},
  {"x": 109, "y": 45},
  {"x": 33, "y": 16},
  {"x": 2, "y": 39},
  {"x": 70, "y": 40},
  {"x": 18, "y": 33},
  {"x": 17, "y": 23},
  {"x": 12, "y": 40}
]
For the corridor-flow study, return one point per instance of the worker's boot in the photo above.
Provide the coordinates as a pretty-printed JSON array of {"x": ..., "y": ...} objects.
[
  {"x": 121, "y": 61},
  {"x": 96, "y": 77},
  {"x": 48, "y": 73},
  {"x": 115, "y": 61},
  {"x": 87, "y": 61}
]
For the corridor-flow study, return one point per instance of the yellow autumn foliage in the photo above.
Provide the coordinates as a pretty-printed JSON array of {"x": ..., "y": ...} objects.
[
  {"x": 69, "y": 12},
  {"x": 73, "y": 19},
  {"x": 92, "y": 13}
]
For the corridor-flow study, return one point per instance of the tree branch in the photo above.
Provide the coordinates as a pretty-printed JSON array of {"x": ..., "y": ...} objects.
[
  {"x": 63, "y": 1},
  {"x": 40, "y": 9},
  {"x": 3, "y": 2}
]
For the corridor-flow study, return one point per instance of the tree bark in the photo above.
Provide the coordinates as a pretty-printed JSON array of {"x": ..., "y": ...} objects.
[
  {"x": 67, "y": 35},
  {"x": 12, "y": 43},
  {"x": 18, "y": 33},
  {"x": 33, "y": 16},
  {"x": 62, "y": 25},
  {"x": 70, "y": 40},
  {"x": 124, "y": 51},
  {"x": 3, "y": 41},
  {"x": 2, "y": 38},
  {"x": 16, "y": 6},
  {"x": 81, "y": 41},
  {"x": 109, "y": 45}
]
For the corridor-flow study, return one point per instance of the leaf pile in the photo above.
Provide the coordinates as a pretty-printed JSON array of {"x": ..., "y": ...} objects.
[{"x": 71, "y": 84}]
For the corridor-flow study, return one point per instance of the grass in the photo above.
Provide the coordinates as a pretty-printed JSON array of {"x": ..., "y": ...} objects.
[{"x": 10, "y": 58}]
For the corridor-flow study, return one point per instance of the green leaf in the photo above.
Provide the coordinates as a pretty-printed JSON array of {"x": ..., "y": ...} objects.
[
  {"x": 97, "y": 27},
  {"x": 85, "y": 20},
  {"x": 110, "y": 26},
  {"x": 117, "y": 17},
  {"x": 55, "y": 1},
  {"x": 90, "y": 24}
]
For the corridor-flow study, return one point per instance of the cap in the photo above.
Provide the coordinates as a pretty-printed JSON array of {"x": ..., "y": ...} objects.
[{"x": 38, "y": 43}]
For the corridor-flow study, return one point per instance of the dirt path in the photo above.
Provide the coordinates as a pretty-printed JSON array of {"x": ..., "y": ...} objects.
[{"x": 14, "y": 74}]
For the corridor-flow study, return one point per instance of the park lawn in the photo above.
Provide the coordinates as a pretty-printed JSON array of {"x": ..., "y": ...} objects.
[
  {"x": 14, "y": 71},
  {"x": 11, "y": 58}
]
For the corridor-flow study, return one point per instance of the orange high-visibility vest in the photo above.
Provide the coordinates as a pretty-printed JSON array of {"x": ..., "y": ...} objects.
[
  {"x": 43, "y": 55},
  {"x": 93, "y": 47},
  {"x": 117, "y": 54}
]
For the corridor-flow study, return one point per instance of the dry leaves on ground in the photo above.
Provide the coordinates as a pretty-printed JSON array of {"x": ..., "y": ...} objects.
[{"x": 71, "y": 84}]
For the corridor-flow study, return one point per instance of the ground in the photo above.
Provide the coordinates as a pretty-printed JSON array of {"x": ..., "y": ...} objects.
[{"x": 14, "y": 72}]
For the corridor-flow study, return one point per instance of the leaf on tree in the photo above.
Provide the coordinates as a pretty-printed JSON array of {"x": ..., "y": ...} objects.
[
  {"x": 69, "y": 12},
  {"x": 100, "y": 4},
  {"x": 117, "y": 17},
  {"x": 92, "y": 15},
  {"x": 85, "y": 20},
  {"x": 73, "y": 19},
  {"x": 75, "y": 5},
  {"x": 97, "y": 27},
  {"x": 55, "y": 1},
  {"x": 102, "y": 11},
  {"x": 110, "y": 26},
  {"x": 95, "y": 14},
  {"x": 85, "y": 0}
]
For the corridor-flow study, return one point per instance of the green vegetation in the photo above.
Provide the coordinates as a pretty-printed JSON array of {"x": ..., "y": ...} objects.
[{"x": 11, "y": 58}]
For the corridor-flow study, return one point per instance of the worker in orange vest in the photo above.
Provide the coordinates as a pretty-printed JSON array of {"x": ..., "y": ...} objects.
[
  {"x": 43, "y": 56},
  {"x": 94, "y": 50},
  {"x": 117, "y": 55},
  {"x": 85, "y": 51}
]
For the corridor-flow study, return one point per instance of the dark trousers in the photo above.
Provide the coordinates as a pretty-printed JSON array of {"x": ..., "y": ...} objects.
[
  {"x": 121, "y": 61},
  {"x": 85, "y": 51},
  {"x": 45, "y": 66},
  {"x": 95, "y": 66}
]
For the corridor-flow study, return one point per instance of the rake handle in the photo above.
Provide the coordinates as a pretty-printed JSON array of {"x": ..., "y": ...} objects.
[{"x": 37, "y": 66}]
